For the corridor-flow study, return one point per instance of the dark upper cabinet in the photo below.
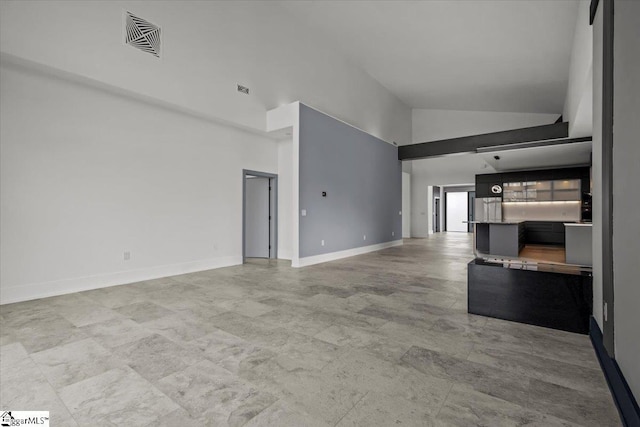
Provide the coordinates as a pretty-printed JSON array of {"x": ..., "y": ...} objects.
[
  {"x": 484, "y": 183},
  {"x": 516, "y": 177},
  {"x": 544, "y": 175},
  {"x": 482, "y": 189}
]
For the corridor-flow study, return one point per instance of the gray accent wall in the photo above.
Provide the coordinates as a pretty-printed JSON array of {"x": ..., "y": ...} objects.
[{"x": 362, "y": 177}]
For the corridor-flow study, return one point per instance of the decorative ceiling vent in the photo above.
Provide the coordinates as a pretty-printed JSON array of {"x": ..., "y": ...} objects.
[{"x": 143, "y": 34}]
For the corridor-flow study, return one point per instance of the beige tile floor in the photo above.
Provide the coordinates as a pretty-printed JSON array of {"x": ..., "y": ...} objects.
[{"x": 376, "y": 340}]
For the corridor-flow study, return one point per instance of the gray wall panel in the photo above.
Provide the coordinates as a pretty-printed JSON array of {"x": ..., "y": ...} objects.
[{"x": 363, "y": 180}]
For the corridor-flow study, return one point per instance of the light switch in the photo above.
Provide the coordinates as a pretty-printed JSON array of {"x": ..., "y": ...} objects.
[{"x": 304, "y": 212}]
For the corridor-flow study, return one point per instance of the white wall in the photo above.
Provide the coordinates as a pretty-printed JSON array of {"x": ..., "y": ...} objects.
[
  {"x": 207, "y": 47},
  {"x": 87, "y": 175},
  {"x": 449, "y": 170},
  {"x": 285, "y": 198},
  {"x": 578, "y": 102},
  {"x": 434, "y": 125},
  {"x": 596, "y": 169},
  {"x": 406, "y": 205},
  {"x": 626, "y": 176},
  {"x": 419, "y": 207}
]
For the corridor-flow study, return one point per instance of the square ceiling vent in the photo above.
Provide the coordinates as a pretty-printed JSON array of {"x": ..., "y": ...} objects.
[{"x": 142, "y": 34}]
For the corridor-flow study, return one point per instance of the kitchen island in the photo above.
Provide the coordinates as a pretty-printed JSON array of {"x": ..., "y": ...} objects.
[
  {"x": 499, "y": 238},
  {"x": 552, "y": 296},
  {"x": 578, "y": 243}
]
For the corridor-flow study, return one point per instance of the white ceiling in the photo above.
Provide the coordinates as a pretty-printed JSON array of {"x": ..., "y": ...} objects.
[
  {"x": 458, "y": 55},
  {"x": 552, "y": 156},
  {"x": 462, "y": 168}
]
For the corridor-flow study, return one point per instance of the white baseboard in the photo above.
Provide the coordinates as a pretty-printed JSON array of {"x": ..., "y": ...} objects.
[
  {"x": 317, "y": 259},
  {"x": 66, "y": 286}
]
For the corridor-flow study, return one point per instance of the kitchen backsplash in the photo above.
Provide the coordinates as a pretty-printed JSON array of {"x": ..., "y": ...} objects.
[{"x": 541, "y": 211}]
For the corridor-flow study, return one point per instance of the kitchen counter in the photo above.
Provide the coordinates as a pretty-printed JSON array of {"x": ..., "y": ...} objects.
[
  {"x": 497, "y": 222},
  {"x": 578, "y": 243},
  {"x": 502, "y": 238}
]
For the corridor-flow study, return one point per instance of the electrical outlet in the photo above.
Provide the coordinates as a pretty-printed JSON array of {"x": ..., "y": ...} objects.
[
  {"x": 322, "y": 242},
  {"x": 303, "y": 212},
  {"x": 393, "y": 233},
  {"x": 399, "y": 212},
  {"x": 127, "y": 256},
  {"x": 364, "y": 237}
]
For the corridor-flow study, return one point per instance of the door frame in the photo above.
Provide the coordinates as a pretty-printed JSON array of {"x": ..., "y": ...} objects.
[
  {"x": 273, "y": 210},
  {"x": 436, "y": 214},
  {"x": 471, "y": 209}
]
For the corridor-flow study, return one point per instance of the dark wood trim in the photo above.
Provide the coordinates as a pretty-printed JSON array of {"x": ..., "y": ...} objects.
[
  {"x": 622, "y": 395},
  {"x": 469, "y": 144},
  {"x": 593, "y": 8},
  {"x": 607, "y": 177}
]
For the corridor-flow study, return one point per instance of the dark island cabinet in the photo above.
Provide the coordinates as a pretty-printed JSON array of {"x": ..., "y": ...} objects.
[
  {"x": 544, "y": 233},
  {"x": 552, "y": 298}
]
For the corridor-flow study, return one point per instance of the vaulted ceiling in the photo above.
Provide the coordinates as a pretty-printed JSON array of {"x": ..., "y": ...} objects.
[{"x": 458, "y": 55}]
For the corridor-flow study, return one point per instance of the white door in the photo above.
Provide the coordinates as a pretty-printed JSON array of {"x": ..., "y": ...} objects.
[
  {"x": 457, "y": 211},
  {"x": 257, "y": 218}
]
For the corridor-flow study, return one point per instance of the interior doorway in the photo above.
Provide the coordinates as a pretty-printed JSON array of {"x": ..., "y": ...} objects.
[
  {"x": 436, "y": 214},
  {"x": 259, "y": 215},
  {"x": 456, "y": 211}
]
